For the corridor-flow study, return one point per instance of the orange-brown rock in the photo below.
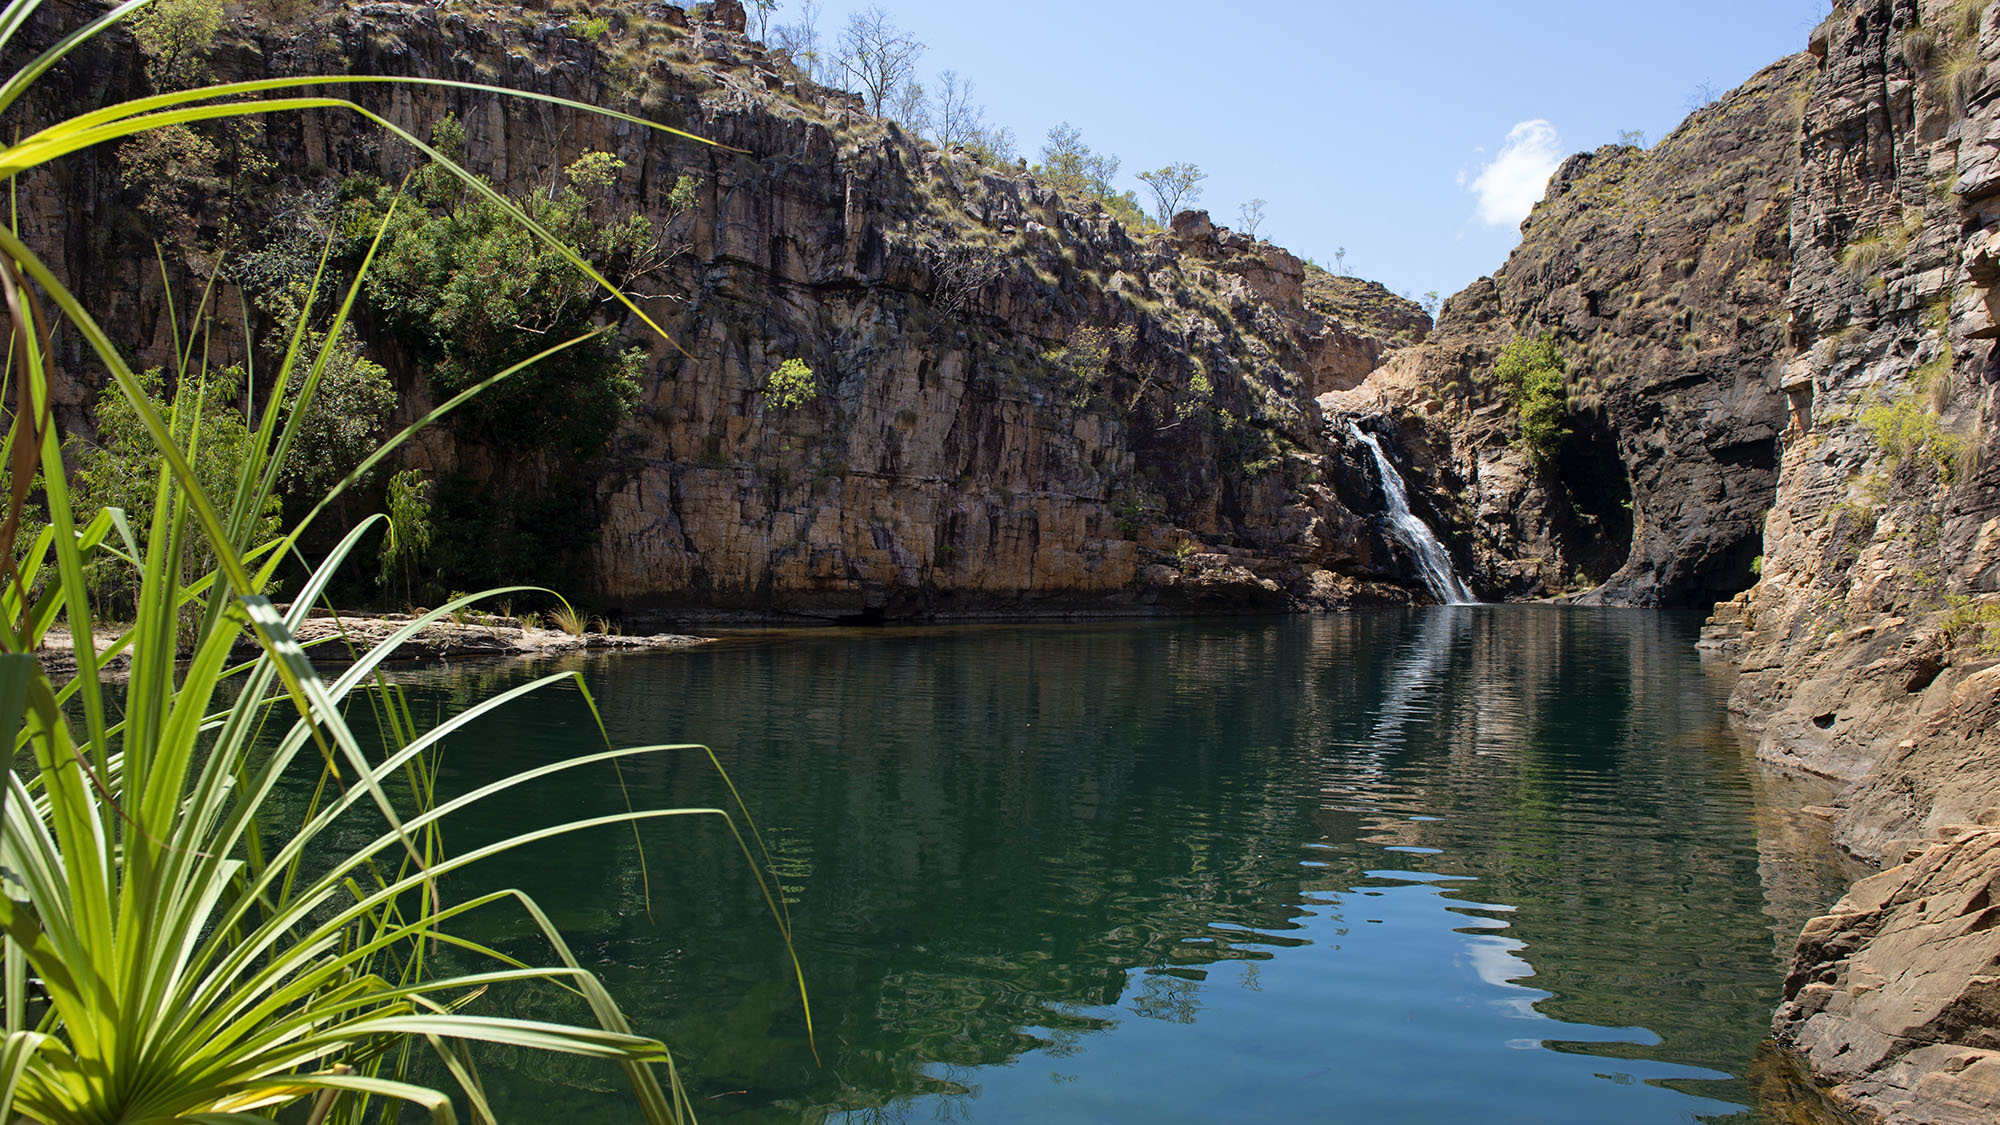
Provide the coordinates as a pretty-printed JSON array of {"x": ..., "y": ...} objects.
[{"x": 1013, "y": 392}]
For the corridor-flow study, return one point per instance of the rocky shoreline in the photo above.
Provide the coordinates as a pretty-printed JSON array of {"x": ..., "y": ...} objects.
[{"x": 476, "y": 636}]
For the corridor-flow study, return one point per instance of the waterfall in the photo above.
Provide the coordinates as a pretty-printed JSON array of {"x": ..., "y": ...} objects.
[{"x": 1432, "y": 559}]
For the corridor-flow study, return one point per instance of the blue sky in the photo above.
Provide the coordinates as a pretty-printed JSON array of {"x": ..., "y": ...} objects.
[{"x": 1366, "y": 126}]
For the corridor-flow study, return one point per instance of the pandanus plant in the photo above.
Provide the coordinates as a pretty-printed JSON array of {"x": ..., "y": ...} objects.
[{"x": 177, "y": 944}]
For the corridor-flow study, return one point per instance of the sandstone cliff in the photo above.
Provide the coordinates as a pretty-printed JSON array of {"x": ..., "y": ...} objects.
[
  {"x": 1867, "y": 645},
  {"x": 1021, "y": 407},
  {"x": 1660, "y": 273}
]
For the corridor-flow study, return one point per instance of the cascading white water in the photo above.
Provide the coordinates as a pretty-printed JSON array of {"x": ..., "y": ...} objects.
[{"x": 1432, "y": 559}]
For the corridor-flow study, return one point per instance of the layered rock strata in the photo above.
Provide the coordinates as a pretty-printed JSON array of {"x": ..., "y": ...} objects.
[
  {"x": 1868, "y": 646},
  {"x": 1893, "y": 997},
  {"x": 1021, "y": 407}
]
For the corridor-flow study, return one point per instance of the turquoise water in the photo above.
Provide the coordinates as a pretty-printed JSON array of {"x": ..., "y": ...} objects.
[{"x": 1475, "y": 864}]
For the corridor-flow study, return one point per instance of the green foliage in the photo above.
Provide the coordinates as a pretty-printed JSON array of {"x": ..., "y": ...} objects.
[
  {"x": 1245, "y": 447},
  {"x": 175, "y": 38},
  {"x": 343, "y": 416},
  {"x": 121, "y": 468},
  {"x": 172, "y": 170},
  {"x": 1068, "y": 164},
  {"x": 206, "y": 951},
  {"x": 1904, "y": 429},
  {"x": 791, "y": 386},
  {"x": 1135, "y": 510},
  {"x": 1531, "y": 372},
  {"x": 473, "y": 292},
  {"x": 411, "y": 529},
  {"x": 341, "y": 423},
  {"x": 1084, "y": 360},
  {"x": 489, "y": 531},
  {"x": 1969, "y": 618},
  {"x": 593, "y": 173},
  {"x": 590, "y": 30},
  {"x": 1199, "y": 385},
  {"x": 993, "y": 146}
]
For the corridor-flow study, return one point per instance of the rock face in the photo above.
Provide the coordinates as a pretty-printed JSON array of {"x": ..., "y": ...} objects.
[
  {"x": 1868, "y": 645},
  {"x": 1020, "y": 406},
  {"x": 1893, "y": 996},
  {"x": 1661, "y": 274},
  {"x": 1865, "y": 644}
]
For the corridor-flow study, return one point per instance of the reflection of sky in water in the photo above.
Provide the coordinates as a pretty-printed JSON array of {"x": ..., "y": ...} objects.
[
  {"x": 1482, "y": 864},
  {"x": 1399, "y": 998},
  {"x": 1396, "y": 1002}
]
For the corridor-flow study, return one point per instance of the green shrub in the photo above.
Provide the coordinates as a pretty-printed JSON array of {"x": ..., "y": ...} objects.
[
  {"x": 121, "y": 468},
  {"x": 1084, "y": 360},
  {"x": 1531, "y": 371},
  {"x": 1904, "y": 429},
  {"x": 473, "y": 292},
  {"x": 1971, "y": 619},
  {"x": 791, "y": 386},
  {"x": 410, "y": 531}
]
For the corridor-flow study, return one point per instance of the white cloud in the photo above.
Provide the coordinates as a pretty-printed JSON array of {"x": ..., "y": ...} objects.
[{"x": 1511, "y": 184}]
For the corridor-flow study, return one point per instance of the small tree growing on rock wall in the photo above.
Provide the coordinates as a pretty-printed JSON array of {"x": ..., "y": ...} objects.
[
  {"x": 791, "y": 386},
  {"x": 1532, "y": 372}
]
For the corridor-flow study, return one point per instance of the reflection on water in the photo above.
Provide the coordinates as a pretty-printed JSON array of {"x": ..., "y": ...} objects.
[{"x": 1475, "y": 863}]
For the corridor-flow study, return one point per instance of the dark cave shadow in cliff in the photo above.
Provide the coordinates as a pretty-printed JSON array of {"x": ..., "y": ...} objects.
[{"x": 1590, "y": 511}]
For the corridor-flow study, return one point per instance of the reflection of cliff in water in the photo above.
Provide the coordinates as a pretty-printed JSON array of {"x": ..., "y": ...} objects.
[
  {"x": 997, "y": 841},
  {"x": 1579, "y": 772}
]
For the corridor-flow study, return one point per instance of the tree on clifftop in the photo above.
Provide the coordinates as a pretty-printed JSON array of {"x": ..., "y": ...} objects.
[
  {"x": 1069, "y": 165},
  {"x": 800, "y": 42},
  {"x": 877, "y": 55},
  {"x": 1252, "y": 215},
  {"x": 1174, "y": 187}
]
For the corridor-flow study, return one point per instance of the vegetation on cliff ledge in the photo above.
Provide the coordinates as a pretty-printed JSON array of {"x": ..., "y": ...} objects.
[{"x": 1531, "y": 372}]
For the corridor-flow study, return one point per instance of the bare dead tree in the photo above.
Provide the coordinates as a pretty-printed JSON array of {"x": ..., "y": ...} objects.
[
  {"x": 877, "y": 55},
  {"x": 957, "y": 119},
  {"x": 800, "y": 42},
  {"x": 960, "y": 272},
  {"x": 1252, "y": 216}
]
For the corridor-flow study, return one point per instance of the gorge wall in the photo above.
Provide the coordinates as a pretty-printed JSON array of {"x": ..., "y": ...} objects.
[
  {"x": 1782, "y": 377},
  {"x": 1868, "y": 646},
  {"x": 1021, "y": 407},
  {"x": 1781, "y": 336},
  {"x": 1660, "y": 273}
]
